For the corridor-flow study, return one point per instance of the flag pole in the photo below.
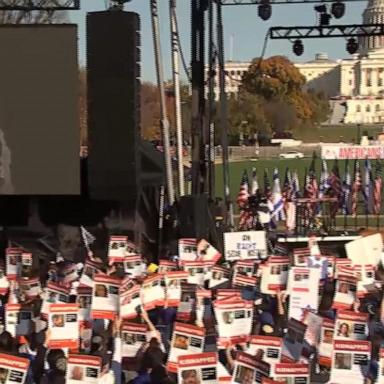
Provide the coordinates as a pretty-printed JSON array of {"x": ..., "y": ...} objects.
[{"x": 345, "y": 202}]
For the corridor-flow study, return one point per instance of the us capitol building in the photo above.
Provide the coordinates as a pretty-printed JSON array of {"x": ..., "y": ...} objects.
[{"x": 355, "y": 86}]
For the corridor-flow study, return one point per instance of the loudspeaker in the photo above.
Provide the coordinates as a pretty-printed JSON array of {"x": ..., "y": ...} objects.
[
  {"x": 193, "y": 216},
  {"x": 113, "y": 77}
]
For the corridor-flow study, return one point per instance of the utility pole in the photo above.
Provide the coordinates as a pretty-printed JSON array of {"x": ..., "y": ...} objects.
[
  {"x": 176, "y": 89},
  {"x": 164, "y": 118}
]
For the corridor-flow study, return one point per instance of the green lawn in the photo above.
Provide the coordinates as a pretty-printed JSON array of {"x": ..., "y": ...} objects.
[{"x": 336, "y": 133}]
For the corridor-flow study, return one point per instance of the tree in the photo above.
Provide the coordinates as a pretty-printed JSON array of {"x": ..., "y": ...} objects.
[
  {"x": 281, "y": 85},
  {"x": 247, "y": 114},
  {"x": 273, "y": 78}
]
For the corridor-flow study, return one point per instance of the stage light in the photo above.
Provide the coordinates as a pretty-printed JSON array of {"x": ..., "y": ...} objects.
[
  {"x": 298, "y": 48},
  {"x": 321, "y": 8},
  {"x": 352, "y": 46},
  {"x": 264, "y": 10},
  {"x": 324, "y": 17},
  {"x": 338, "y": 9}
]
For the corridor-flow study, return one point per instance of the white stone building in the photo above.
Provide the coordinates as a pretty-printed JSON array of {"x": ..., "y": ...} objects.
[{"x": 354, "y": 85}]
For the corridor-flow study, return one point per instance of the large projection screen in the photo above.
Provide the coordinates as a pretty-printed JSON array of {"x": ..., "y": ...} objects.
[{"x": 39, "y": 121}]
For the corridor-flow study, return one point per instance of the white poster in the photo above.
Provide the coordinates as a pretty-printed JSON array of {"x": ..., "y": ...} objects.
[
  {"x": 13, "y": 369},
  {"x": 350, "y": 361},
  {"x": 83, "y": 369},
  {"x": 152, "y": 292},
  {"x": 275, "y": 275},
  {"x": 187, "y": 249},
  {"x": 173, "y": 281},
  {"x": 270, "y": 347},
  {"x": 130, "y": 303},
  {"x": 351, "y": 325},
  {"x": 198, "y": 368},
  {"x": 303, "y": 287},
  {"x": 63, "y": 321},
  {"x": 105, "y": 297},
  {"x": 133, "y": 336},
  {"x": 245, "y": 369},
  {"x": 245, "y": 245},
  {"x": 187, "y": 339},
  {"x": 234, "y": 320}
]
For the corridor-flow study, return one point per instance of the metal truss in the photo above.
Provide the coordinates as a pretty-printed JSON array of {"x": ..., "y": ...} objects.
[
  {"x": 256, "y": 2},
  {"x": 39, "y": 5},
  {"x": 318, "y": 32}
]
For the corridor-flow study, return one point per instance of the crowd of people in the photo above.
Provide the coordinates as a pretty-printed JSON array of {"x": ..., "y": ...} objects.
[{"x": 238, "y": 320}]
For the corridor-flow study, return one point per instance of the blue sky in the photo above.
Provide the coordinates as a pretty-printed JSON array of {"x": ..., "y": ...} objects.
[{"x": 240, "y": 21}]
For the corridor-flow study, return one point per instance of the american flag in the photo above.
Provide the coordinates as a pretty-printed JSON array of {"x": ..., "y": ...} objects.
[
  {"x": 346, "y": 189},
  {"x": 278, "y": 203},
  {"x": 311, "y": 187},
  {"x": 242, "y": 201},
  {"x": 367, "y": 190},
  {"x": 356, "y": 188},
  {"x": 255, "y": 184},
  {"x": 377, "y": 185},
  {"x": 287, "y": 187}
]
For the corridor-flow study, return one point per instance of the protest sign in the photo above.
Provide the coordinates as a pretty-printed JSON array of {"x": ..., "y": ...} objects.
[
  {"x": 105, "y": 297},
  {"x": 326, "y": 342},
  {"x": 185, "y": 310},
  {"x": 70, "y": 273},
  {"x": 83, "y": 369},
  {"x": 26, "y": 264},
  {"x": 54, "y": 293},
  {"x": 269, "y": 345},
  {"x": 351, "y": 325},
  {"x": 240, "y": 281},
  {"x": 303, "y": 286},
  {"x": 300, "y": 256},
  {"x": 63, "y": 321},
  {"x": 13, "y": 262},
  {"x": 195, "y": 271},
  {"x": 18, "y": 319},
  {"x": 187, "y": 339},
  {"x": 117, "y": 249},
  {"x": 133, "y": 265},
  {"x": 263, "y": 370},
  {"x": 133, "y": 336},
  {"x": 187, "y": 249},
  {"x": 167, "y": 266},
  {"x": 234, "y": 320},
  {"x": 292, "y": 373},
  {"x": 365, "y": 278},
  {"x": 244, "y": 267},
  {"x": 275, "y": 275},
  {"x": 246, "y": 245},
  {"x": 344, "y": 266},
  {"x": 245, "y": 368},
  {"x": 130, "y": 303},
  {"x": 30, "y": 287},
  {"x": 152, "y": 292},
  {"x": 219, "y": 276},
  {"x": 173, "y": 281},
  {"x": 222, "y": 293},
  {"x": 345, "y": 292},
  {"x": 13, "y": 369},
  {"x": 84, "y": 300},
  {"x": 350, "y": 361},
  {"x": 89, "y": 271},
  {"x": 207, "y": 252},
  {"x": 293, "y": 341},
  {"x": 198, "y": 368}
]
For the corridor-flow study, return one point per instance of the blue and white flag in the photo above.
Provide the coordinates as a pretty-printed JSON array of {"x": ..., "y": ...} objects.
[
  {"x": 255, "y": 184},
  {"x": 277, "y": 198}
]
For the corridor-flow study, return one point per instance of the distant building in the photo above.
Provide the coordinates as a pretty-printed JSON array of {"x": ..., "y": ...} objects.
[{"x": 354, "y": 85}]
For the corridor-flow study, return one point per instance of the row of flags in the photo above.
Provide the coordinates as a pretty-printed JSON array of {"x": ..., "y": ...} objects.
[{"x": 347, "y": 190}]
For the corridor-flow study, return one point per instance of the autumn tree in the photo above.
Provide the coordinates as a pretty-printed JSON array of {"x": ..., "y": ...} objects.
[{"x": 281, "y": 85}]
